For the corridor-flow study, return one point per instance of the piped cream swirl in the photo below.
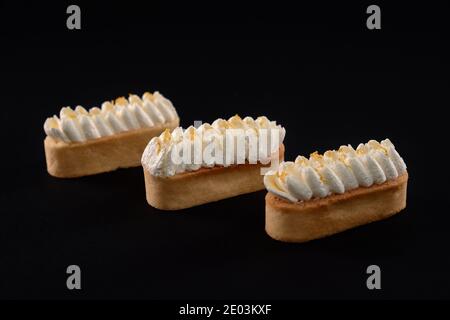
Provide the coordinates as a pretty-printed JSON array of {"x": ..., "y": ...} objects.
[
  {"x": 336, "y": 172},
  {"x": 79, "y": 124},
  {"x": 206, "y": 146}
]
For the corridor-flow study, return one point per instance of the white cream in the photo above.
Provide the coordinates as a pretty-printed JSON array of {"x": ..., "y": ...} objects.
[
  {"x": 52, "y": 127},
  {"x": 330, "y": 178},
  {"x": 336, "y": 171},
  {"x": 151, "y": 109},
  {"x": 127, "y": 118},
  {"x": 102, "y": 127},
  {"x": 88, "y": 127},
  {"x": 165, "y": 106},
  {"x": 194, "y": 148},
  {"x": 80, "y": 125},
  {"x": 362, "y": 175},
  {"x": 71, "y": 129},
  {"x": 344, "y": 173},
  {"x": 298, "y": 188},
  {"x": 314, "y": 181}
]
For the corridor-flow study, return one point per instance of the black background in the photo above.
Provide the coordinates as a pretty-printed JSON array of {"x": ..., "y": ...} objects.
[{"x": 317, "y": 70}]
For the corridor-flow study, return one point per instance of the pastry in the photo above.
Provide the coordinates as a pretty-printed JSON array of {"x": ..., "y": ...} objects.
[
  {"x": 326, "y": 194},
  {"x": 81, "y": 142},
  {"x": 194, "y": 166}
]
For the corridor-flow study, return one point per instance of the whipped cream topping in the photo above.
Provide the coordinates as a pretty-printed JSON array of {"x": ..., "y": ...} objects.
[
  {"x": 79, "y": 124},
  {"x": 216, "y": 144},
  {"x": 336, "y": 172}
]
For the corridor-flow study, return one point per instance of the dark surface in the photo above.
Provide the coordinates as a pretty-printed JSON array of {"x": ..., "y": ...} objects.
[{"x": 317, "y": 71}]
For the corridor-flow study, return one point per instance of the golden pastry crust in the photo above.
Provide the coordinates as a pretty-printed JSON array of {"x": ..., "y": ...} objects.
[
  {"x": 317, "y": 218},
  {"x": 189, "y": 189},
  {"x": 122, "y": 150}
]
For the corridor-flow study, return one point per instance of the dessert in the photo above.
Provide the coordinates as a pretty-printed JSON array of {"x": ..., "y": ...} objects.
[
  {"x": 81, "y": 142},
  {"x": 326, "y": 194},
  {"x": 194, "y": 166}
]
